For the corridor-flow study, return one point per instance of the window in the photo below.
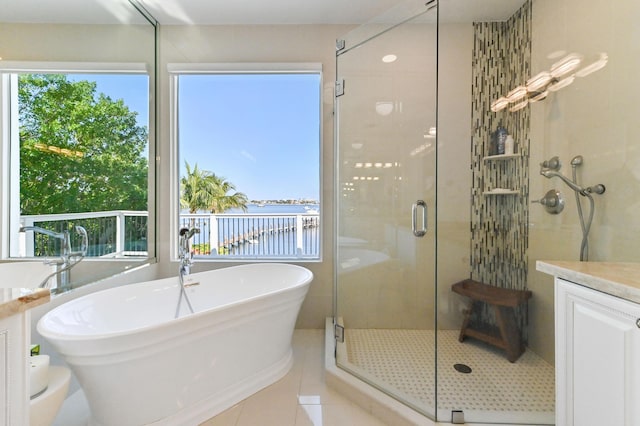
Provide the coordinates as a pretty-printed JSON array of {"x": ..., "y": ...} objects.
[
  {"x": 78, "y": 155},
  {"x": 249, "y": 162}
]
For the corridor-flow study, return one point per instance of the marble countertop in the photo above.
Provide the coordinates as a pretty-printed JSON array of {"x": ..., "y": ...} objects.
[
  {"x": 17, "y": 300},
  {"x": 614, "y": 278}
]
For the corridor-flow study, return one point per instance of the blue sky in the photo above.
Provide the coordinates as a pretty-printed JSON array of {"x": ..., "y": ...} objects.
[{"x": 259, "y": 131}]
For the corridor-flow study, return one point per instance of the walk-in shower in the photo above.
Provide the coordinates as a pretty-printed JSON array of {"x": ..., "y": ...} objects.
[{"x": 403, "y": 209}]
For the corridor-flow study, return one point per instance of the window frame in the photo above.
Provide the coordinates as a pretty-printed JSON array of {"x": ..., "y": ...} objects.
[
  {"x": 175, "y": 70},
  {"x": 10, "y": 142}
]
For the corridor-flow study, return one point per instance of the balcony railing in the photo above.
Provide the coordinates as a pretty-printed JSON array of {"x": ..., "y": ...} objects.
[
  {"x": 123, "y": 234},
  {"x": 116, "y": 234},
  {"x": 277, "y": 235}
]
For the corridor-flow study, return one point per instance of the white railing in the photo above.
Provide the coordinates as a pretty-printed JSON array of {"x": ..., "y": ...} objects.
[
  {"x": 117, "y": 233},
  {"x": 122, "y": 233},
  {"x": 268, "y": 235}
]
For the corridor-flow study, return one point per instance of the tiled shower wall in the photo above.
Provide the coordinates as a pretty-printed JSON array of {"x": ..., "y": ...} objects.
[{"x": 499, "y": 223}]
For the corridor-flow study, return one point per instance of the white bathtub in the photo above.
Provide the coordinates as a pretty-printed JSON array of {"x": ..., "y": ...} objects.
[{"x": 138, "y": 365}]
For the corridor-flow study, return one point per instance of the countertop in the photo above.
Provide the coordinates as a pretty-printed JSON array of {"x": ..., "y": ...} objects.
[
  {"x": 16, "y": 300},
  {"x": 614, "y": 278}
]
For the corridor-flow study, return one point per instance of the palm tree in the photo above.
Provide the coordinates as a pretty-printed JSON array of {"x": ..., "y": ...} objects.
[
  {"x": 196, "y": 191},
  {"x": 204, "y": 190},
  {"x": 222, "y": 202}
]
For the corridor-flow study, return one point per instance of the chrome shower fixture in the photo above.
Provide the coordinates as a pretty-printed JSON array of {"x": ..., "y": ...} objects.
[
  {"x": 576, "y": 161},
  {"x": 550, "y": 168},
  {"x": 552, "y": 164}
]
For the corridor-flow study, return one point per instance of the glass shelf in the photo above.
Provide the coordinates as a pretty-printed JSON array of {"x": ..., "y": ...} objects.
[
  {"x": 501, "y": 192},
  {"x": 500, "y": 157}
]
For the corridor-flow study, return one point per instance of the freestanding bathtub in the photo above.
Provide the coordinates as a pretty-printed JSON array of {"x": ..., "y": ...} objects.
[{"x": 139, "y": 365}]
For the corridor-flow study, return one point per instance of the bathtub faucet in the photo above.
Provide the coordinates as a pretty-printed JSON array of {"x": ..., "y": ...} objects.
[
  {"x": 185, "y": 255},
  {"x": 184, "y": 251},
  {"x": 68, "y": 258}
]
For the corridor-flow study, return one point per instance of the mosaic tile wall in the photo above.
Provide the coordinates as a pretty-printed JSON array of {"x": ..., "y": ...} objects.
[{"x": 499, "y": 223}]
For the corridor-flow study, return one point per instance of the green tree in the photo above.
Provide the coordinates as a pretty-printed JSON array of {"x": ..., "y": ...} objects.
[
  {"x": 79, "y": 151},
  {"x": 204, "y": 190}
]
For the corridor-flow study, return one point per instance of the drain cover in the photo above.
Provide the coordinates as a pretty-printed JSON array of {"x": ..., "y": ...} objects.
[{"x": 462, "y": 368}]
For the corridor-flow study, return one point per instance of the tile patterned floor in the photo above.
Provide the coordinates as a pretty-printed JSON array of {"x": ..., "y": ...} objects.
[{"x": 404, "y": 361}]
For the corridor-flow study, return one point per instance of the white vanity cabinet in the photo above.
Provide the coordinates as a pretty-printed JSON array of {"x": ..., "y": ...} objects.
[
  {"x": 597, "y": 357},
  {"x": 15, "y": 333},
  {"x": 14, "y": 392}
]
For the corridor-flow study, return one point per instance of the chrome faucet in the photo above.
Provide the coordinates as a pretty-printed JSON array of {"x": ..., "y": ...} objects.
[
  {"x": 184, "y": 251},
  {"x": 550, "y": 169},
  {"x": 185, "y": 256},
  {"x": 65, "y": 262}
]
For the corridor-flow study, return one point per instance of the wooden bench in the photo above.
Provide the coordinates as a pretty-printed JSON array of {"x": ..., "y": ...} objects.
[{"x": 504, "y": 301}]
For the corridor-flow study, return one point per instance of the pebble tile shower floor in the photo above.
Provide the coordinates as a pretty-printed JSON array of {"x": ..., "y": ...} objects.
[{"x": 404, "y": 361}]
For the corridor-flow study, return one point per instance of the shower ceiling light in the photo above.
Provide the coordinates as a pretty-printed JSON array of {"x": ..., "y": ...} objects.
[
  {"x": 499, "y": 104},
  {"x": 561, "y": 84},
  {"x": 593, "y": 67},
  {"x": 566, "y": 65},
  {"x": 387, "y": 59},
  {"x": 535, "y": 97},
  {"x": 517, "y": 94},
  {"x": 539, "y": 81},
  {"x": 519, "y": 106},
  {"x": 384, "y": 108}
]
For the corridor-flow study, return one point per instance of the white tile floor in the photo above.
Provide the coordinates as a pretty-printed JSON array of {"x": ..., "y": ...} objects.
[{"x": 300, "y": 398}]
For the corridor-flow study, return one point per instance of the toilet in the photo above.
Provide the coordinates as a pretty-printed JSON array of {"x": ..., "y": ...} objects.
[{"x": 46, "y": 404}]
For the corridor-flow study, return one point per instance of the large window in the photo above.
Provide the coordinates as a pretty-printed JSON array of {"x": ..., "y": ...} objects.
[
  {"x": 249, "y": 163},
  {"x": 78, "y": 155}
]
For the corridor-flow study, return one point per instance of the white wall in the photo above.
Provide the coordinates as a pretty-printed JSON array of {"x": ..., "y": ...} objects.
[{"x": 596, "y": 117}]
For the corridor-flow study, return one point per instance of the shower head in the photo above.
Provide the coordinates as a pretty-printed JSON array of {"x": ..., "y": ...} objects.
[{"x": 576, "y": 161}]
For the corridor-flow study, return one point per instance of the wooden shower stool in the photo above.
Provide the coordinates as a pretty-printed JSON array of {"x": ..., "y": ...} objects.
[{"x": 504, "y": 301}]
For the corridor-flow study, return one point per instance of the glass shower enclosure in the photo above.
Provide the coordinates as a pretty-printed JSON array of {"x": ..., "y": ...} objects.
[
  {"x": 412, "y": 213},
  {"x": 386, "y": 156}
]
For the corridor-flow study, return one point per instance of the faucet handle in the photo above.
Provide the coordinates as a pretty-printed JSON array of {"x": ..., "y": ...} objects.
[
  {"x": 552, "y": 164},
  {"x": 552, "y": 201},
  {"x": 84, "y": 245},
  {"x": 184, "y": 246}
]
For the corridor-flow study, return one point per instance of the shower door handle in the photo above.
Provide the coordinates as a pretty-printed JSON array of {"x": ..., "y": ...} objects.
[{"x": 419, "y": 205}]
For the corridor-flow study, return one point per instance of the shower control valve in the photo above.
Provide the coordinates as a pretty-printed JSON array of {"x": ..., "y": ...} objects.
[{"x": 552, "y": 201}]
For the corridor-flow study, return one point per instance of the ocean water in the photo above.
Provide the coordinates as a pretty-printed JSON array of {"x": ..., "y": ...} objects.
[{"x": 271, "y": 208}]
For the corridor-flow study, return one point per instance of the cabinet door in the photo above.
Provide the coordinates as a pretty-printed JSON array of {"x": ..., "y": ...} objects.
[
  {"x": 15, "y": 334},
  {"x": 4, "y": 383},
  {"x": 597, "y": 357}
]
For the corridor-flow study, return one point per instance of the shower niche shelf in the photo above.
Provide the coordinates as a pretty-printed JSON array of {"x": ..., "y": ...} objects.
[
  {"x": 500, "y": 157},
  {"x": 500, "y": 191}
]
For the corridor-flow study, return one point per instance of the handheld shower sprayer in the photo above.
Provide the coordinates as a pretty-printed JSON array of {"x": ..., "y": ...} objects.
[
  {"x": 549, "y": 169},
  {"x": 576, "y": 161}
]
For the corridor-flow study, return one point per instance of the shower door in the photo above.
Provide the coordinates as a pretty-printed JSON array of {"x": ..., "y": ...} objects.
[{"x": 386, "y": 176}]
